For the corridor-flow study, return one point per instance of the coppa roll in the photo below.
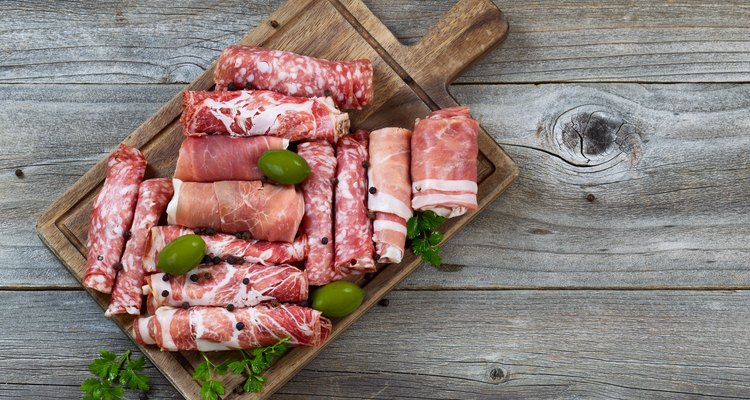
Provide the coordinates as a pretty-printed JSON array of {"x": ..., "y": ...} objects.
[
  {"x": 215, "y": 328},
  {"x": 444, "y": 162},
  {"x": 268, "y": 212},
  {"x": 223, "y": 158}
]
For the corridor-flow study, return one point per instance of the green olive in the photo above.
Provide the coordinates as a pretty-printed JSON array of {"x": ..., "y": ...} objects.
[
  {"x": 283, "y": 166},
  {"x": 181, "y": 255},
  {"x": 338, "y": 299}
]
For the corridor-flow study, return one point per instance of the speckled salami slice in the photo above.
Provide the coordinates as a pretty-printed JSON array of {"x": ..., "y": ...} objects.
[
  {"x": 353, "y": 228},
  {"x": 349, "y": 83},
  {"x": 260, "y": 112},
  {"x": 127, "y": 295},
  {"x": 317, "y": 223},
  {"x": 112, "y": 216}
]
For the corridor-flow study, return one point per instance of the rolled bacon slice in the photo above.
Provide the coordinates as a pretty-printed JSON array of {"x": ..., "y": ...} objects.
[
  {"x": 317, "y": 223},
  {"x": 348, "y": 82},
  {"x": 353, "y": 228},
  {"x": 112, "y": 216},
  {"x": 268, "y": 212},
  {"x": 223, "y": 158},
  {"x": 389, "y": 195},
  {"x": 444, "y": 153},
  {"x": 262, "y": 113},
  {"x": 245, "y": 285},
  {"x": 153, "y": 196},
  {"x": 222, "y": 246},
  {"x": 215, "y": 328}
]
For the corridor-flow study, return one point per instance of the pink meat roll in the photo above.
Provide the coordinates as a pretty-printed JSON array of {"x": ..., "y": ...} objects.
[
  {"x": 223, "y": 158},
  {"x": 268, "y": 212},
  {"x": 262, "y": 113},
  {"x": 444, "y": 153},
  {"x": 317, "y": 223},
  {"x": 127, "y": 295},
  {"x": 348, "y": 82},
  {"x": 216, "y": 328},
  {"x": 225, "y": 284},
  {"x": 389, "y": 194},
  {"x": 112, "y": 217},
  {"x": 223, "y": 246},
  {"x": 353, "y": 228}
]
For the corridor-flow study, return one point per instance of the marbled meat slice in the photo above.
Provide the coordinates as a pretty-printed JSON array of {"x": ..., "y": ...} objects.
[
  {"x": 262, "y": 113},
  {"x": 205, "y": 328},
  {"x": 127, "y": 295},
  {"x": 112, "y": 217},
  {"x": 349, "y": 83},
  {"x": 444, "y": 153}
]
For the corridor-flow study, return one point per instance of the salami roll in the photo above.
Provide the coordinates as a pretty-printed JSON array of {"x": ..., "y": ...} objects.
[
  {"x": 262, "y": 113},
  {"x": 223, "y": 284},
  {"x": 112, "y": 216},
  {"x": 348, "y": 82},
  {"x": 223, "y": 246},
  {"x": 444, "y": 153},
  {"x": 268, "y": 212},
  {"x": 353, "y": 228},
  {"x": 153, "y": 196},
  {"x": 317, "y": 223},
  {"x": 223, "y": 158},
  {"x": 215, "y": 328},
  {"x": 389, "y": 192}
]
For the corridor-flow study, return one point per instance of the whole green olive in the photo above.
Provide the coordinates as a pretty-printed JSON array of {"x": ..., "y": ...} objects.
[
  {"x": 338, "y": 299},
  {"x": 283, "y": 166},
  {"x": 181, "y": 255}
]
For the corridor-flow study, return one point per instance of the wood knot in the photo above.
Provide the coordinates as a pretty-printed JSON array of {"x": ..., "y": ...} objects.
[
  {"x": 499, "y": 375},
  {"x": 591, "y": 135}
]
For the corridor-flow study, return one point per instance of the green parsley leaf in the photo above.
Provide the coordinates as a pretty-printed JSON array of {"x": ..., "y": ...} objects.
[
  {"x": 421, "y": 230},
  {"x": 211, "y": 390},
  {"x": 103, "y": 365},
  {"x": 101, "y": 389},
  {"x": 435, "y": 238},
  {"x": 254, "y": 383},
  {"x": 134, "y": 380},
  {"x": 201, "y": 372},
  {"x": 412, "y": 227},
  {"x": 430, "y": 220}
]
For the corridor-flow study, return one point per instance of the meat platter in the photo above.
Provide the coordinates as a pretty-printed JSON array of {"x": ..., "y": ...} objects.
[{"x": 345, "y": 220}]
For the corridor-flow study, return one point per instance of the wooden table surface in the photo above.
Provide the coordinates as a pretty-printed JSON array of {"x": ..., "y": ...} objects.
[{"x": 615, "y": 267}]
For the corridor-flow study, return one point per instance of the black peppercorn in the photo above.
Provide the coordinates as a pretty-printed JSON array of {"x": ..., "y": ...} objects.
[
  {"x": 334, "y": 181},
  {"x": 249, "y": 85},
  {"x": 210, "y": 231},
  {"x": 206, "y": 259},
  {"x": 303, "y": 303},
  {"x": 274, "y": 23},
  {"x": 376, "y": 257},
  {"x": 230, "y": 307},
  {"x": 143, "y": 396},
  {"x": 194, "y": 278},
  {"x": 275, "y": 303},
  {"x": 118, "y": 266},
  {"x": 324, "y": 240},
  {"x": 373, "y": 190},
  {"x": 231, "y": 259},
  {"x": 217, "y": 260},
  {"x": 371, "y": 215},
  {"x": 263, "y": 178},
  {"x": 185, "y": 305},
  {"x": 127, "y": 234},
  {"x": 384, "y": 302},
  {"x": 99, "y": 258},
  {"x": 365, "y": 164},
  {"x": 240, "y": 326},
  {"x": 198, "y": 231},
  {"x": 19, "y": 173},
  {"x": 326, "y": 93},
  {"x": 165, "y": 277},
  {"x": 207, "y": 275},
  {"x": 230, "y": 86},
  {"x": 165, "y": 293},
  {"x": 246, "y": 281}
]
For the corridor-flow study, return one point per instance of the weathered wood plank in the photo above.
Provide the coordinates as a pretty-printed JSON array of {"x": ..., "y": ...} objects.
[
  {"x": 670, "y": 210},
  {"x": 145, "y": 41},
  {"x": 545, "y": 344}
]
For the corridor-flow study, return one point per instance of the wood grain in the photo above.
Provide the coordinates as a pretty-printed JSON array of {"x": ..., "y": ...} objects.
[
  {"x": 512, "y": 344},
  {"x": 584, "y": 40}
]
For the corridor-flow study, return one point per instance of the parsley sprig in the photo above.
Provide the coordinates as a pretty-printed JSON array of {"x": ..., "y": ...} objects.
[
  {"x": 421, "y": 230},
  {"x": 113, "y": 373},
  {"x": 251, "y": 365}
]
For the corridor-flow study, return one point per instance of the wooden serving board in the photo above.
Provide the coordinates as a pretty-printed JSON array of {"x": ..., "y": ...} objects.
[{"x": 410, "y": 81}]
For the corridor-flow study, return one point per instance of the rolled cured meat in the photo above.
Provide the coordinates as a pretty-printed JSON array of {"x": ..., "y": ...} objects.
[
  {"x": 262, "y": 113},
  {"x": 223, "y": 158},
  {"x": 348, "y": 82},
  {"x": 223, "y": 284},
  {"x": 215, "y": 328},
  {"x": 444, "y": 153},
  {"x": 389, "y": 194},
  {"x": 353, "y": 228},
  {"x": 112, "y": 217},
  {"x": 222, "y": 246},
  {"x": 317, "y": 223},
  {"x": 153, "y": 196},
  {"x": 268, "y": 212}
]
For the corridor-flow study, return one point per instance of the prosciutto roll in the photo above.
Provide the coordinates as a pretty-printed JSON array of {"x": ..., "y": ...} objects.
[
  {"x": 268, "y": 212},
  {"x": 348, "y": 82},
  {"x": 223, "y": 246},
  {"x": 223, "y": 284},
  {"x": 153, "y": 196},
  {"x": 112, "y": 216},
  {"x": 353, "y": 228},
  {"x": 389, "y": 195},
  {"x": 317, "y": 223},
  {"x": 223, "y": 158},
  {"x": 444, "y": 153},
  {"x": 215, "y": 328},
  {"x": 262, "y": 113}
]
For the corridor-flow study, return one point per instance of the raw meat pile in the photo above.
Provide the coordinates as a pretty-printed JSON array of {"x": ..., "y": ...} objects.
[{"x": 267, "y": 243}]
